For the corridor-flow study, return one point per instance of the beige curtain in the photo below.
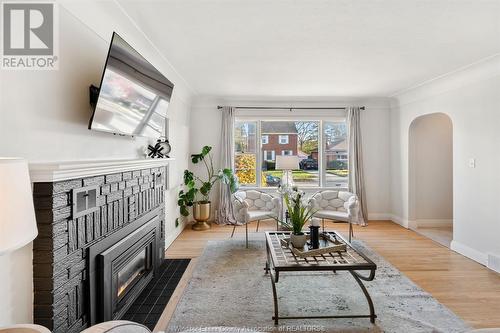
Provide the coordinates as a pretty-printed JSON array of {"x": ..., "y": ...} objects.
[
  {"x": 356, "y": 179},
  {"x": 225, "y": 213}
]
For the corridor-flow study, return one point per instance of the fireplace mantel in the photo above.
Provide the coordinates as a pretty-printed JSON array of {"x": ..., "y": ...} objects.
[{"x": 60, "y": 171}]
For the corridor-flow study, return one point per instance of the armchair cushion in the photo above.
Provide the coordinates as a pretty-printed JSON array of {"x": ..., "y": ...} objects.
[
  {"x": 255, "y": 215},
  {"x": 332, "y": 215}
]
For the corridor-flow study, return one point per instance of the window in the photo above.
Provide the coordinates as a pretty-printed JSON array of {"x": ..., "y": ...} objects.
[
  {"x": 269, "y": 155},
  {"x": 283, "y": 139},
  {"x": 335, "y": 154},
  {"x": 320, "y": 146},
  {"x": 245, "y": 159}
]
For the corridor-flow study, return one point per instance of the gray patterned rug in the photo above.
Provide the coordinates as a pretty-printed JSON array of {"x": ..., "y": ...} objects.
[{"x": 229, "y": 289}]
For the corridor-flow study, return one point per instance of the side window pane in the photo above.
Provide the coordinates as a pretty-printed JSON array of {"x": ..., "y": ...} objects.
[
  {"x": 245, "y": 159},
  {"x": 336, "y": 154}
]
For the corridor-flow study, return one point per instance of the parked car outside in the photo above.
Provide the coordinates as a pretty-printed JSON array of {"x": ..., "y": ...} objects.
[
  {"x": 308, "y": 164},
  {"x": 272, "y": 181}
]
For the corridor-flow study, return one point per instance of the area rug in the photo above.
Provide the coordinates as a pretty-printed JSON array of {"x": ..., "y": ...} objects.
[{"x": 229, "y": 289}]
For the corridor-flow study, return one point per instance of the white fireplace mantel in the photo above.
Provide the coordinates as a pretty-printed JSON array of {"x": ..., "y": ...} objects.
[{"x": 59, "y": 171}]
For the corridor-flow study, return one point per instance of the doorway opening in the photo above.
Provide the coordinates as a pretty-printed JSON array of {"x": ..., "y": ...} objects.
[{"x": 431, "y": 177}]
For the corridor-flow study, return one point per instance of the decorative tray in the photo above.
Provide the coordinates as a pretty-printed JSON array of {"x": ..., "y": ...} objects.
[{"x": 327, "y": 244}]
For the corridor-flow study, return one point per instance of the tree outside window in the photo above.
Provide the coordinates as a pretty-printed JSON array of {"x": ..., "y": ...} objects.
[{"x": 245, "y": 160}]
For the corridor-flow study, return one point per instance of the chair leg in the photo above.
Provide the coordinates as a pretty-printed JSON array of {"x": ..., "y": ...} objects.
[
  {"x": 351, "y": 232},
  {"x": 246, "y": 234},
  {"x": 323, "y": 222},
  {"x": 234, "y": 227},
  {"x": 257, "y": 229}
]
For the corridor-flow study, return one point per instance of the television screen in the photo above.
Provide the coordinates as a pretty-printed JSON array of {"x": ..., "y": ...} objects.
[{"x": 133, "y": 96}]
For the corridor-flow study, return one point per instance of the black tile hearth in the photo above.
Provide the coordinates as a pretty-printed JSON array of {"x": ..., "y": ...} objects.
[{"x": 150, "y": 304}]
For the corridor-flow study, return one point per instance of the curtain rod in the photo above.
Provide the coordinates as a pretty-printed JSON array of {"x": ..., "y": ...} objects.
[{"x": 288, "y": 108}]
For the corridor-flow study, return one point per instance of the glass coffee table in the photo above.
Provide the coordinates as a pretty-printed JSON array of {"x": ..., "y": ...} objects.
[{"x": 280, "y": 258}]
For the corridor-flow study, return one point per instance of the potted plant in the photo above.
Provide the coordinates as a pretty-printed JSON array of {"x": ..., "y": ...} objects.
[
  {"x": 196, "y": 186},
  {"x": 298, "y": 214}
]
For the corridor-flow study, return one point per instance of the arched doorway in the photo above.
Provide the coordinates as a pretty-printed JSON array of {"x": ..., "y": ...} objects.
[{"x": 431, "y": 177}]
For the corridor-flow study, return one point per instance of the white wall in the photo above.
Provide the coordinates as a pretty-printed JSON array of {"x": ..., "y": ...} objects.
[
  {"x": 44, "y": 117},
  {"x": 206, "y": 126},
  {"x": 470, "y": 97},
  {"x": 431, "y": 170}
]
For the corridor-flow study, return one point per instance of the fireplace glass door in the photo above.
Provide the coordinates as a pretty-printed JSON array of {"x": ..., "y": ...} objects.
[
  {"x": 131, "y": 272},
  {"x": 124, "y": 269}
]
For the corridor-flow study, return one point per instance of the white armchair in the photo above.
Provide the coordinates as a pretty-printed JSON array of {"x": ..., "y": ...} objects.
[
  {"x": 336, "y": 205},
  {"x": 252, "y": 205}
]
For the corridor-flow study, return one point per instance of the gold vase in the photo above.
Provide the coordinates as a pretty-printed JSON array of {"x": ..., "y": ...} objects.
[{"x": 201, "y": 213}]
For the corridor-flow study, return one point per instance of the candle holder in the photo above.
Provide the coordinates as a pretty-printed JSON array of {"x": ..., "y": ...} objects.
[{"x": 314, "y": 237}]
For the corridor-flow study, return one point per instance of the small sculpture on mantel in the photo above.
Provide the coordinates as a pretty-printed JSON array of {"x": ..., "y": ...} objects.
[{"x": 160, "y": 150}]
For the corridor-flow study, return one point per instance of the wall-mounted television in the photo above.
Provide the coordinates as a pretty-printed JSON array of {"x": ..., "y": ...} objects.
[{"x": 133, "y": 96}]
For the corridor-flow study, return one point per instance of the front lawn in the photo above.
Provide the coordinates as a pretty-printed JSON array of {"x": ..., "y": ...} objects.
[
  {"x": 298, "y": 175},
  {"x": 340, "y": 173}
]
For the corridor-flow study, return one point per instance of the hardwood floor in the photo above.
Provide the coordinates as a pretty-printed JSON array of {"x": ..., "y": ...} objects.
[{"x": 469, "y": 289}]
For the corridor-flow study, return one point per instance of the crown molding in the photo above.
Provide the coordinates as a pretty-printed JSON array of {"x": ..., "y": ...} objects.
[{"x": 479, "y": 71}]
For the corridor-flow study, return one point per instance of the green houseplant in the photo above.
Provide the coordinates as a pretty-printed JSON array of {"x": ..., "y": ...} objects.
[
  {"x": 196, "y": 192},
  {"x": 298, "y": 214}
]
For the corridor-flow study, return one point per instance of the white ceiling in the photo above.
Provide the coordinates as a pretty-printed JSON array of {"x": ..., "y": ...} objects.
[{"x": 317, "y": 47}]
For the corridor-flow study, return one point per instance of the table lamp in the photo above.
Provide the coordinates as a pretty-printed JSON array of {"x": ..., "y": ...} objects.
[
  {"x": 17, "y": 213},
  {"x": 287, "y": 163}
]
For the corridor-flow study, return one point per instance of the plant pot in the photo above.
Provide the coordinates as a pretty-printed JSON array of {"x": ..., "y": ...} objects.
[
  {"x": 298, "y": 240},
  {"x": 201, "y": 213}
]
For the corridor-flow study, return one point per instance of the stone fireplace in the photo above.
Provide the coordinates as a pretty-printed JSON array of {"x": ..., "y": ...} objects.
[{"x": 101, "y": 237}]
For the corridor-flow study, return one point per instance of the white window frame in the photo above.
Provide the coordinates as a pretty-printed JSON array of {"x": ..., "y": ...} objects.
[
  {"x": 287, "y": 150},
  {"x": 266, "y": 141},
  {"x": 284, "y": 136},
  {"x": 322, "y": 119}
]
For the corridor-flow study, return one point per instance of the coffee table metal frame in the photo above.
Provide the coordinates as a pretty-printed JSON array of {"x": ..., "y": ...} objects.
[{"x": 281, "y": 259}]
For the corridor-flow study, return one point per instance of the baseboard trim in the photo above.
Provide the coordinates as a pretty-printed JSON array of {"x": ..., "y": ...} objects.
[
  {"x": 399, "y": 220},
  {"x": 379, "y": 216},
  {"x": 469, "y": 252},
  {"x": 422, "y": 223},
  {"x": 494, "y": 262},
  {"x": 171, "y": 238}
]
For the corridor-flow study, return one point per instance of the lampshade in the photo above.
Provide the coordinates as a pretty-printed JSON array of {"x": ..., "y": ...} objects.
[
  {"x": 287, "y": 162},
  {"x": 17, "y": 213}
]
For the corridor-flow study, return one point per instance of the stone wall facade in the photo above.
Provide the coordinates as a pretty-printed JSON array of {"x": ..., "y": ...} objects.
[{"x": 60, "y": 267}]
